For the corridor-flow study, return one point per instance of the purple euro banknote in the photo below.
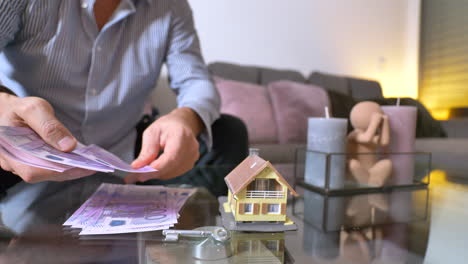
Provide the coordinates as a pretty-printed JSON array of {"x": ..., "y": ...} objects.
[
  {"x": 179, "y": 196},
  {"x": 123, "y": 231},
  {"x": 141, "y": 206},
  {"x": 26, "y": 140},
  {"x": 28, "y": 144},
  {"x": 32, "y": 161},
  {"x": 100, "y": 155},
  {"x": 91, "y": 210},
  {"x": 115, "y": 209}
]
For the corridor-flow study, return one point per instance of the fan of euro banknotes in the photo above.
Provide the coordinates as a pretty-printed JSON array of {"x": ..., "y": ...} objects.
[
  {"x": 118, "y": 208},
  {"x": 24, "y": 145},
  {"x": 113, "y": 208}
]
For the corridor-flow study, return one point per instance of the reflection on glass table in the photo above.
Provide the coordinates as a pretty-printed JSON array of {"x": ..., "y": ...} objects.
[
  {"x": 396, "y": 227},
  {"x": 380, "y": 244},
  {"x": 333, "y": 173},
  {"x": 246, "y": 247},
  {"x": 333, "y": 213}
]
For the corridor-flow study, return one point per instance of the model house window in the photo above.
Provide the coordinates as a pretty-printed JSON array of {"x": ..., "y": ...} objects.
[
  {"x": 248, "y": 208},
  {"x": 273, "y": 208},
  {"x": 264, "y": 185}
]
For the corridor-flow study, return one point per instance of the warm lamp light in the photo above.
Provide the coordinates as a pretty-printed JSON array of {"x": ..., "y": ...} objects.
[
  {"x": 440, "y": 114},
  {"x": 398, "y": 84},
  {"x": 446, "y": 102}
]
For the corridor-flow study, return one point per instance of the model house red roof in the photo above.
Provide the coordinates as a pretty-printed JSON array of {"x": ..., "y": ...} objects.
[{"x": 247, "y": 170}]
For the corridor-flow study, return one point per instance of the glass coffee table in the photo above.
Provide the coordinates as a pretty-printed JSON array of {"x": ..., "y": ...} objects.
[{"x": 429, "y": 228}]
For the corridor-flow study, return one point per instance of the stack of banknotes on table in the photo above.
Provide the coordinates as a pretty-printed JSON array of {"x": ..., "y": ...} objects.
[
  {"x": 117, "y": 209},
  {"x": 23, "y": 145}
]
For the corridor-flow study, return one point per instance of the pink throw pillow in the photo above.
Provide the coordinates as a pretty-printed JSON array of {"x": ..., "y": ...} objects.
[
  {"x": 293, "y": 103},
  {"x": 249, "y": 102}
]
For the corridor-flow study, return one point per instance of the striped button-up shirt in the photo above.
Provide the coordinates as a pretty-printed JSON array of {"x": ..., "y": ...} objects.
[{"x": 98, "y": 80}]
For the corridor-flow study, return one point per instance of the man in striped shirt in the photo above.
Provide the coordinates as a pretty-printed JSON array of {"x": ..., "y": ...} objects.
[{"x": 81, "y": 70}]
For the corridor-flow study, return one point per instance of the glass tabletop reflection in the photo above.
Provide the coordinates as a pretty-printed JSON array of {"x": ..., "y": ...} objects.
[{"x": 420, "y": 225}]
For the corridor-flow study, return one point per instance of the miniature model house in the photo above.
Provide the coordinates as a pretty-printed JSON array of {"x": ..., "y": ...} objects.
[{"x": 257, "y": 192}]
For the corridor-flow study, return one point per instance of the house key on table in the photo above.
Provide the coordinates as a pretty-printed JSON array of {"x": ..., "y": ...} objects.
[
  {"x": 219, "y": 234},
  {"x": 214, "y": 246}
]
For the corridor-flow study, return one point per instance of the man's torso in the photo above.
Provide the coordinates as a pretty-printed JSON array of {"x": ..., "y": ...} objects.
[{"x": 96, "y": 79}]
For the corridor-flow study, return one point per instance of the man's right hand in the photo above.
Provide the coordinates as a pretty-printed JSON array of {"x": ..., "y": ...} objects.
[{"x": 37, "y": 114}]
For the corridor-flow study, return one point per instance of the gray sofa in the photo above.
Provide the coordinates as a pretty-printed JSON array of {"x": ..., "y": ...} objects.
[
  {"x": 283, "y": 155},
  {"x": 359, "y": 89}
]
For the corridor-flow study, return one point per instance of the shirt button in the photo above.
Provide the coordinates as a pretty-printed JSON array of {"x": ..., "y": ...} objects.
[{"x": 84, "y": 5}]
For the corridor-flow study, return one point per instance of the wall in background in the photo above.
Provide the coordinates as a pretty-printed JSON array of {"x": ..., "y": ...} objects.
[
  {"x": 375, "y": 39},
  {"x": 444, "y": 58}
]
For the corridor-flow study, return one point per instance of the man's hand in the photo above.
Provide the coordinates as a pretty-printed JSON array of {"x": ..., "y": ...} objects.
[
  {"x": 175, "y": 134},
  {"x": 37, "y": 114}
]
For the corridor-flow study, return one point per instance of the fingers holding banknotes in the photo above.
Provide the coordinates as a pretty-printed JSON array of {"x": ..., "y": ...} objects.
[
  {"x": 34, "y": 175},
  {"x": 37, "y": 114},
  {"x": 31, "y": 174}
]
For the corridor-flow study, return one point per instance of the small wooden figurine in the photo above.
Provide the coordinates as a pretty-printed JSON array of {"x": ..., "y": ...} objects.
[
  {"x": 371, "y": 132},
  {"x": 257, "y": 198}
]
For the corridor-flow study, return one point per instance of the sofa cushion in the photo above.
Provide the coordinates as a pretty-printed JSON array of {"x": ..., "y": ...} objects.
[
  {"x": 293, "y": 103},
  {"x": 249, "y": 102},
  {"x": 270, "y": 75},
  {"x": 235, "y": 72}
]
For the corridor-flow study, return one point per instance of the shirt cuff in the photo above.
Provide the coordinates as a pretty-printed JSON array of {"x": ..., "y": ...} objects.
[{"x": 208, "y": 117}]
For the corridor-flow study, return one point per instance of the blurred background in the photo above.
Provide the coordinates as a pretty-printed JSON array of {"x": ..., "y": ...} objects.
[
  {"x": 374, "y": 39},
  {"x": 414, "y": 48}
]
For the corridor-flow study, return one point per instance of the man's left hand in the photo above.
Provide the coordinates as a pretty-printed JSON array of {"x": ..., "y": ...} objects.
[{"x": 176, "y": 135}]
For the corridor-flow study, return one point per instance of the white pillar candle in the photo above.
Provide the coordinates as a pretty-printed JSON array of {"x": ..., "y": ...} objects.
[{"x": 326, "y": 135}]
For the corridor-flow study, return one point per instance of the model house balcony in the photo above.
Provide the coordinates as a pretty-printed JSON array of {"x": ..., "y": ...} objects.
[{"x": 264, "y": 194}]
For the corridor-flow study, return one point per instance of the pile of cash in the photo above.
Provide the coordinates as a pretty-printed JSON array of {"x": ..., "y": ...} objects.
[
  {"x": 118, "y": 208},
  {"x": 23, "y": 145}
]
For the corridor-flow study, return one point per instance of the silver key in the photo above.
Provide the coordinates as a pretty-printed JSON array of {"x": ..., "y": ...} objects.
[{"x": 217, "y": 233}]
